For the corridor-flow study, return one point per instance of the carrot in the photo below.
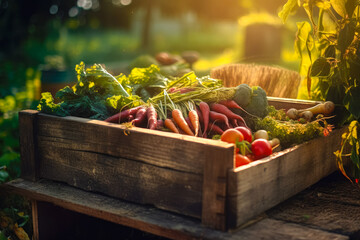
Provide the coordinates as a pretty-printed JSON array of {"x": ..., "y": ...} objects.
[
  {"x": 130, "y": 118},
  {"x": 180, "y": 121},
  {"x": 226, "y": 111},
  {"x": 194, "y": 118},
  {"x": 201, "y": 119},
  {"x": 215, "y": 128},
  {"x": 170, "y": 125},
  {"x": 204, "y": 108},
  {"x": 122, "y": 116},
  {"x": 234, "y": 122},
  {"x": 152, "y": 117},
  {"x": 187, "y": 119},
  {"x": 230, "y": 104},
  {"x": 215, "y": 116},
  {"x": 159, "y": 124},
  {"x": 200, "y": 133},
  {"x": 140, "y": 117}
]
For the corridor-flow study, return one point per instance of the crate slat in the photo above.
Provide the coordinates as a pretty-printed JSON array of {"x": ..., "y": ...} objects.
[{"x": 256, "y": 187}]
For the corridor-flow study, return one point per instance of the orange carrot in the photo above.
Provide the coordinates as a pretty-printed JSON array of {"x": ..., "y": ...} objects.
[
  {"x": 180, "y": 121},
  {"x": 194, "y": 118},
  {"x": 170, "y": 125}
]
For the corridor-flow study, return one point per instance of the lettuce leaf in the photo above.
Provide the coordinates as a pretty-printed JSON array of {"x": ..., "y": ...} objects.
[
  {"x": 96, "y": 95},
  {"x": 145, "y": 82}
]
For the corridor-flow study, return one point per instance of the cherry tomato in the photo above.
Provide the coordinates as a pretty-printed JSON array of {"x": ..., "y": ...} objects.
[
  {"x": 232, "y": 136},
  {"x": 241, "y": 160},
  {"x": 261, "y": 148},
  {"x": 246, "y": 133}
]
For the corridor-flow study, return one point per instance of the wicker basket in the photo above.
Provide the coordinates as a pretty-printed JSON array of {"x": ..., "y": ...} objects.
[{"x": 276, "y": 81}]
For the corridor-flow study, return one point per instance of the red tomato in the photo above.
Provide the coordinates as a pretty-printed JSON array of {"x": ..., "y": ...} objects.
[
  {"x": 232, "y": 136},
  {"x": 241, "y": 160},
  {"x": 246, "y": 133},
  {"x": 261, "y": 148}
]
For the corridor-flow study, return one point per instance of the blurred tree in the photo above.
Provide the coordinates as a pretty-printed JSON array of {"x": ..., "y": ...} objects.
[{"x": 212, "y": 10}]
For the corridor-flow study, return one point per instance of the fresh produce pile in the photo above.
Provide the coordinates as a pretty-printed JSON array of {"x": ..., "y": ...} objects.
[{"x": 190, "y": 105}]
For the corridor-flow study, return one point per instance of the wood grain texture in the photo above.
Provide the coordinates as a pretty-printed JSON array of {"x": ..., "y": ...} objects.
[
  {"x": 333, "y": 205},
  {"x": 214, "y": 191},
  {"x": 269, "y": 229},
  {"x": 35, "y": 220},
  {"x": 168, "y": 150},
  {"x": 140, "y": 165},
  {"x": 152, "y": 220},
  {"x": 262, "y": 184},
  {"x": 28, "y": 144},
  {"x": 135, "y": 181},
  {"x": 287, "y": 103}
]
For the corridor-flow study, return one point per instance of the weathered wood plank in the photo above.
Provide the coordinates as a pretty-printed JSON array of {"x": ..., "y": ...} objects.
[
  {"x": 28, "y": 144},
  {"x": 287, "y": 103},
  {"x": 123, "y": 178},
  {"x": 337, "y": 210},
  {"x": 35, "y": 220},
  {"x": 152, "y": 220},
  {"x": 262, "y": 184},
  {"x": 181, "y": 152},
  {"x": 282, "y": 230},
  {"x": 150, "y": 167},
  {"x": 217, "y": 165}
]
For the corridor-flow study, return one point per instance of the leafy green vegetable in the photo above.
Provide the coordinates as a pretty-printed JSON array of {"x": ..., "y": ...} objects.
[
  {"x": 243, "y": 95},
  {"x": 289, "y": 132},
  {"x": 145, "y": 82},
  {"x": 253, "y": 100},
  {"x": 97, "y": 95}
]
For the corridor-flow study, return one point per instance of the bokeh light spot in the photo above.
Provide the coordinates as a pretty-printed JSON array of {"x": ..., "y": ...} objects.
[
  {"x": 54, "y": 9},
  {"x": 73, "y": 12},
  {"x": 85, "y": 4},
  {"x": 125, "y": 2}
]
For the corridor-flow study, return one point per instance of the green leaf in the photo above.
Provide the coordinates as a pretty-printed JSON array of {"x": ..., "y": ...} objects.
[
  {"x": 2, "y": 236},
  {"x": 302, "y": 36},
  {"x": 289, "y": 7},
  {"x": 47, "y": 105},
  {"x": 355, "y": 157},
  {"x": 9, "y": 157},
  {"x": 350, "y": 6},
  {"x": 4, "y": 176},
  {"x": 336, "y": 94},
  {"x": 320, "y": 68},
  {"x": 339, "y": 7},
  {"x": 326, "y": 24},
  {"x": 352, "y": 101},
  {"x": 346, "y": 36},
  {"x": 330, "y": 52},
  {"x": 323, "y": 4}
]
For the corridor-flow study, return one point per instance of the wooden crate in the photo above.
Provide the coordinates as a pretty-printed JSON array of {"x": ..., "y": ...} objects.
[{"x": 183, "y": 174}]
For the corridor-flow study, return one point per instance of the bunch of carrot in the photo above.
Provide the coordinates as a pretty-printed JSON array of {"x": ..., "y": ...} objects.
[
  {"x": 141, "y": 116},
  {"x": 201, "y": 119}
]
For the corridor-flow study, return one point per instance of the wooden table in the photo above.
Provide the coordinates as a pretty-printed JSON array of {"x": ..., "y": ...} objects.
[{"x": 329, "y": 209}]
